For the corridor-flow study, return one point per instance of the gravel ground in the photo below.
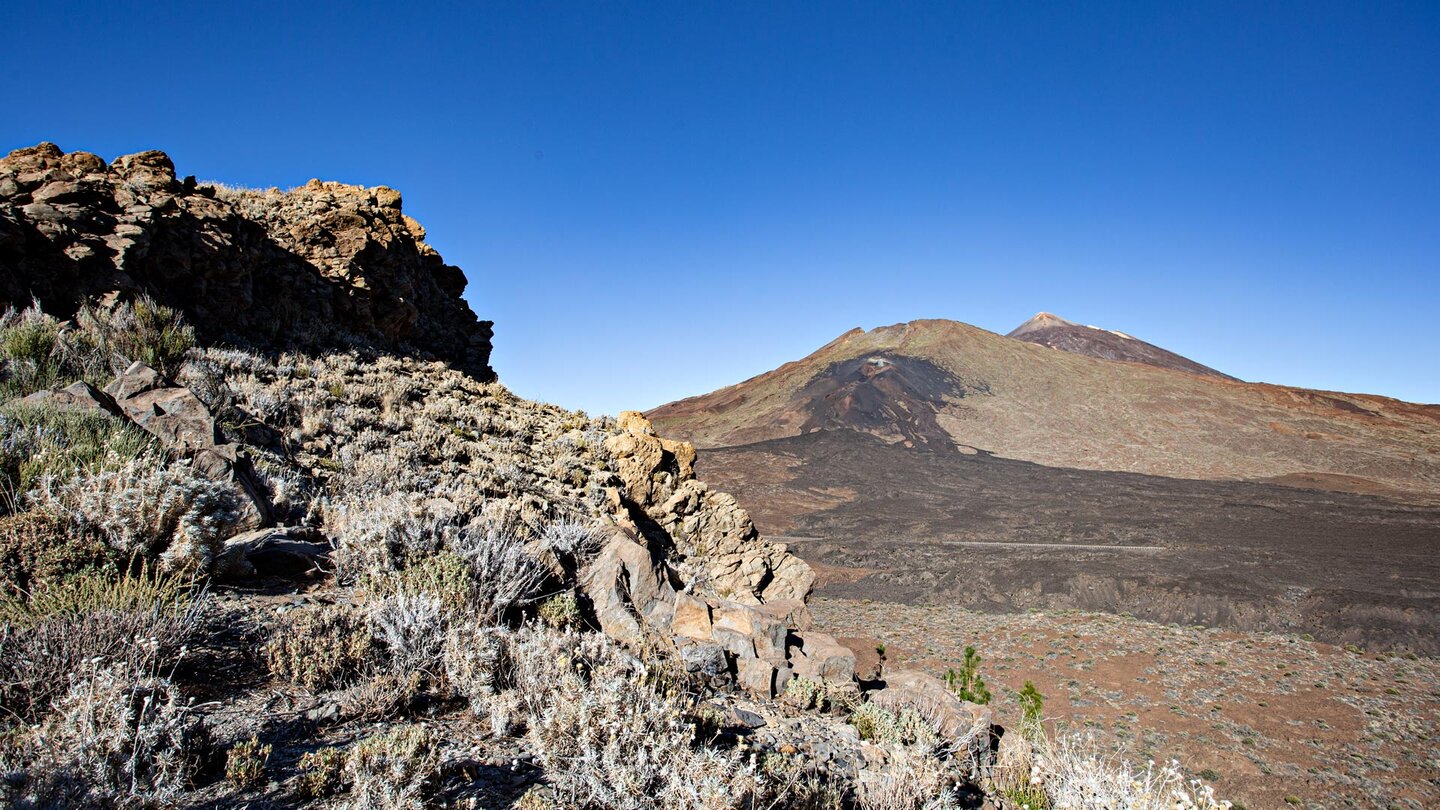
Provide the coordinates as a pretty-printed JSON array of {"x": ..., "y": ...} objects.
[{"x": 1270, "y": 720}]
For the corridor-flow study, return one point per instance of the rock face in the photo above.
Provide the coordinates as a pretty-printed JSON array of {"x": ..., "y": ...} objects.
[
  {"x": 323, "y": 262},
  {"x": 667, "y": 505}
]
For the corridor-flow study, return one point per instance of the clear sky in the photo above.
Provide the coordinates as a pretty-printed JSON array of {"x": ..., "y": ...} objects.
[{"x": 653, "y": 200}]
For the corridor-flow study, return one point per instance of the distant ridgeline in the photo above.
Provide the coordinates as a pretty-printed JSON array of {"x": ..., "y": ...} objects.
[{"x": 320, "y": 264}]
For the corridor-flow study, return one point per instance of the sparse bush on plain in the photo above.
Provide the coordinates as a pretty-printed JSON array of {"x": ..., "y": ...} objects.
[{"x": 966, "y": 682}]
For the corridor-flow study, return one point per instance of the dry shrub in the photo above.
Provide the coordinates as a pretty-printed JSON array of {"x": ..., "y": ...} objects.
[
  {"x": 321, "y": 648},
  {"x": 609, "y": 738},
  {"x": 411, "y": 630},
  {"x": 37, "y": 548},
  {"x": 477, "y": 664},
  {"x": 148, "y": 507},
  {"x": 914, "y": 779},
  {"x": 136, "y": 622},
  {"x": 119, "y": 738},
  {"x": 396, "y": 770}
]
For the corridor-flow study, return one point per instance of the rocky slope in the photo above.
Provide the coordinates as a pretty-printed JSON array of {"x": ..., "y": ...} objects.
[
  {"x": 323, "y": 262},
  {"x": 1054, "y": 331},
  {"x": 943, "y": 384}
]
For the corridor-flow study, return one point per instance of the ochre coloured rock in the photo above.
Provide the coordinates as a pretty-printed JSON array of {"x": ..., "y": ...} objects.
[{"x": 324, "y": 264}]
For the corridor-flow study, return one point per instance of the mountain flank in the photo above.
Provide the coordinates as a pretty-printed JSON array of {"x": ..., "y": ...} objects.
[
  {"x": 1050, "y": 330},
  {"x": 1025, "y": 401}
]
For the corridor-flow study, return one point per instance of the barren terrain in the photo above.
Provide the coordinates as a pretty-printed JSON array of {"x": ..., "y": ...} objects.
[
  {"x": 883, "y": 521},
  {"x": 1269, "y": 719}
]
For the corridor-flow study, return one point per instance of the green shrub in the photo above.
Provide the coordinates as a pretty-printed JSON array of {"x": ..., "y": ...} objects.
[
  {"x": 966, "y": 683},
  {"x": 905, "y": 727},
  {"x": 321, "y": 773},
  {"x": 1032, "y": 704},
  {"x": 38, "y": 351},
  {"x": 98, "y": 593},
  {"x": 29, "y": 362},
  {"x": 443, "y": 574},
  {"x": 245, "y": 764},
  {"x": 37, "y": 441},
  {"x": 150, "y": 333},
  {"x": 561, "y": 610}
]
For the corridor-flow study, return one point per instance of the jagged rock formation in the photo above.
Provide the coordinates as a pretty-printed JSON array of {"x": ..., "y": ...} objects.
[
  {"x": 294, "y": 268},
  {"x": 1054, "y": 331}
]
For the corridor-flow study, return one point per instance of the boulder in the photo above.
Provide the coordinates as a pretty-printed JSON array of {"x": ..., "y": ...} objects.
[
  {"x": 137, "y": 379},
  {"x": 764, "y": 633},
  {"x": 691, "y": 619},
  {"x": 705, "y": 658},
  {"x": 756, "y": 676},
  {"x": 628, "y": 590},
  {"x": 953, "y": 718},
  {"x": 81, "y": 396},
  {"x": 820, "y": 657},
  {"x": 175, "y": 416},
  {"x": 271, "y": 552}
]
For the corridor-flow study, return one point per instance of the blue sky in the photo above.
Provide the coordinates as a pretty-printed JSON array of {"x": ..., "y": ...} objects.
[{"x": 655, "y": 200}]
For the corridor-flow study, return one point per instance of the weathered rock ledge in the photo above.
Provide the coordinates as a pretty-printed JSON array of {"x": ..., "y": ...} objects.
[{"x": 326, "y": 262}]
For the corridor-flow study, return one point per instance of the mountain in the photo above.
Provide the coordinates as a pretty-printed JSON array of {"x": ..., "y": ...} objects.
[
  {"x": 948, "y": 385},
  {"x": 934, "y": 462},
  {"x": 1092, "y": 341}
]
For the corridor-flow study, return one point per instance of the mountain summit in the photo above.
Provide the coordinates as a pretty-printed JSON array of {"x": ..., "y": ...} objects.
[{"x": 1051, "y": 330}]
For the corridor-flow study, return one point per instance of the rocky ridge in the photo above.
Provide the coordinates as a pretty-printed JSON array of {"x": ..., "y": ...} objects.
[{"x": 326, "y": 261}]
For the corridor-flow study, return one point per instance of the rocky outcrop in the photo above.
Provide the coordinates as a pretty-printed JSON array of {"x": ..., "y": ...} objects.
[
  {"x": 708, "y": 529},
  {"x": 181, "y": 423},
  {"x": 323, "y": 263}
]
